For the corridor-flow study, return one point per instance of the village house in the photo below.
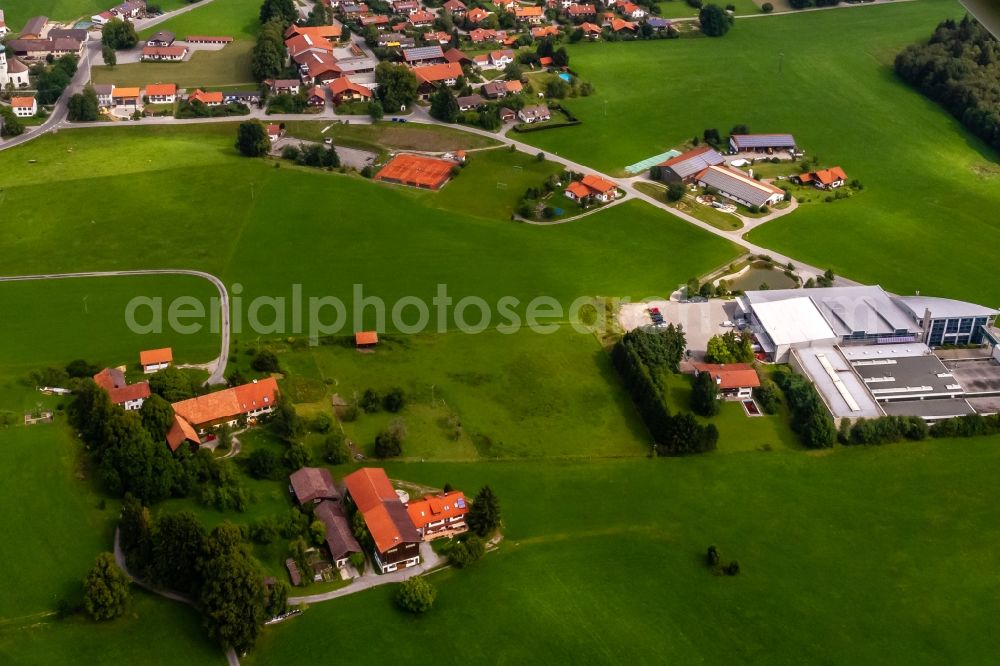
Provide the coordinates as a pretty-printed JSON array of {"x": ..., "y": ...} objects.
[
  {"x": 631, "y": 10},
  {"x": 824, "y": 179},
  {"x": 273, "y": 132},
  {"x": 514, "y": 87},
  {"x": 685, "y": 167},
  {"x": 421, "y": 18},
  {"x": 344, "y": 90},
  {"x": 378, "y": 21},
  {"x": 591, "y": 31},
  {"x": 34, "y": 28},
  {"x": 620, "y": 25},
  {"x": 339, "y": 537},
  {"x": 477, "y": 15},
  {"x": 79, "y": 34},
  {"x": 101, "y": 19},
  {"x": 368, "y": 339},
  {"x": 104, "y": 92},
  {"x": 430, "y": 76},
  {"x": 439, "y": 515},
  {"x": 494, "y": 89},
  {"x": 129, "y": 9},
  {"x": 658, "y": 24},
  {"x": 126, "y": 97},
  {"x": 470, "y": 102},
  {"x": 41, "y": 49},
  {"x": 507, "y": 115},
  {"x": 229, "y": 405},
  {"x": 317, "y": 34},
  {"x": 423, "y": 55},
  {"x": 456, "y": 56},
  {"x": 579, "y": 12},
  {"x": 4, "y": 30},
  {"x": 533, "y": 114},
  {"x": 592, "y": 187},
  {"x": 312, "y": 485},
  {"x": 128, "y": 396},
  {"x": 164, "y": 53},
  {"x": 316, "y": 96},
  {"x": 283, "y": 86},
  {"x": 24, "y": 107},
  {"x": 162, "y": 38},
  {"x": 396, "y": 541},
  {"x": 734, "y": 380},
  {"x": 441, "y": 37},
  {"x": 456, "y": 7},
  {"x": 740, "y": 187},
  {"x": 405, "y": 7},
  {"x": 530, "y": 15},
  {"x": 161, "y": 93},
  {"x": 152, "y": 360},
  {"x": 317, "y": 68},
  {"x": 214, "y": 98}
]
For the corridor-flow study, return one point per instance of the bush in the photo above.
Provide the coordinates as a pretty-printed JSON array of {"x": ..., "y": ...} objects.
[
  {"x": 370, "y": 401},
  {"x": 394, "y": 400},
  {"x": 416, "y": 595},
  {"x": 264, "y": 464},
  {"x": 768, "y": 396},
  {"x": 464, "y": 553},
  {"x": 705, "y": 395},
  {"x": 676, "y": 191},
  {"x": 335, "y": 449},
  {"x": 712, "y": 556},
  {"x": 732, "y": 568},
  {"x": 265, "y": 361}
]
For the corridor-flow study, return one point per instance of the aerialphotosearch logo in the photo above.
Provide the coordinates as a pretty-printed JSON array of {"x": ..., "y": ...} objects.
[{"x": 319, "y": 316}]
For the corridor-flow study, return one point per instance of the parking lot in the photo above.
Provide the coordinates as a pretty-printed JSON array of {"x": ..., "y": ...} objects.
[
  {"x": 700, "y": 320},
  {"x": 349, "y": 157}
]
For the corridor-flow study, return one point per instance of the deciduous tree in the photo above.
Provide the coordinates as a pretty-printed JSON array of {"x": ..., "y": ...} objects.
[{"x": 105, "y": 589}]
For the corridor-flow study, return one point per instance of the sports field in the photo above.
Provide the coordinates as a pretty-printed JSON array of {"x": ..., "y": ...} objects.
[
  {"x": 870, "y": 555},
  {"x": 227, "y": 67},
  {"x": 928, "y": 182}
]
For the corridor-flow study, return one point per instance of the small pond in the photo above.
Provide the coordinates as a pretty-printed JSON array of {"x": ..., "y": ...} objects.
[{"x": 755, "y": 277}]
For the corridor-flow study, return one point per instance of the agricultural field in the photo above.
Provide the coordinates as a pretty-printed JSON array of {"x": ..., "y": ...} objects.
[
  {"x": 830, "y": 546},
  {"x": 62, "y": 320},
  {"x": 17, "y": 12},
  {"x": 238, "y": 19},
  {"x": 926, "y": 169},
  {"x": 229, "y": 67},
  {"x": 253, "y": 236}
]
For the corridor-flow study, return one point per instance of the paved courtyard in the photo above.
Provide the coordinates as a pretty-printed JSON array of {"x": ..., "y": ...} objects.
[{"x": 700, "y": 320}]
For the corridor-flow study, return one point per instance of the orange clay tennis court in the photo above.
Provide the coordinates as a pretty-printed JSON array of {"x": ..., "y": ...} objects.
[{"x": 416, "y": 171}]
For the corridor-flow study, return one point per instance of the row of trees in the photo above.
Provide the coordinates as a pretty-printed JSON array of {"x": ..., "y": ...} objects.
[
  {"x": 267, "y": 60},
  {"x": 216, "y": 570},
  {"x": 960, "y": 69},
  {"x": 810, "y": 419},
  {"x": 644, "y": 359},
  {"x": 883, "y": 430}
]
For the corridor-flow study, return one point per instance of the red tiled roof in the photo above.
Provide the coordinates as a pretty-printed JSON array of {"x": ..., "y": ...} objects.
[
  {"x": 113, "y": 381},
  {"x": 229, "y": 403},
  {"x": 181, "y": 431},
  {"x": 827, "y": 176},
  {"x": 164, "y": 51},
  {"x": 598, "y": 184},
  {"x": 730, "y": 375},
  {"x": 618, "y": 24},
  {"x": 366, "y": 338},
  {"x": 527, "y": 12},
  {"x": 590, "y": 28},
  {"x": 437, "y": 507},
  {"x": 545, "y": 61},
  {"x": 155, "y": 356},
  {"x": 440, "y": 72},
  {"x": 22, "y": 102},
  {"x": 578, "y": 189},
  {"x": 378, "y": 503},
  {"x": 200, "y": 95},
  {"x": 344, "y": 84}
]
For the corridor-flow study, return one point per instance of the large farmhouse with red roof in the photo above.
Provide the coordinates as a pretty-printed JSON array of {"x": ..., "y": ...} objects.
[
  {"x": 395, "y": 541},
  {"x": 228, "y": 406}
]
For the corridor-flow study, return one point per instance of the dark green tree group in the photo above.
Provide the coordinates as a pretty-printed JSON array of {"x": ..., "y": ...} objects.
[
  {"x": 959, "y": 68},
  {"x": 283, "y": 10},
  {"x": 51, "y": 80},
  {"x": 83, "y": 105},
  {"x": 705, "y": 395},
  {"x": 810, "y": 419},
  {"x": 714, "y": 20},
  {"x": 252, "y": 139},
  {"x": 484, "y": 514},
  {"x": 118, "y": 34},
  {"x": 397, "y": 86},
  {"x": 268, "y": 58},
  {"x": 730, "y": 347}
]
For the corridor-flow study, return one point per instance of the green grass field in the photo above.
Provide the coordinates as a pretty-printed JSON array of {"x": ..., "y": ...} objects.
[
  {"x": 17, "y": 12},
  {"x": 238, "y": 19},
  {"x": 53, "y": 516},
  {"x": 61, "y": 320},
  {"x": 154, "y": 631},
  {"x": 918, "y": 165},
  {"x": 254, "y": 235},
  {"x": 870, "y": 555},
  {"x": 228, "y": 67}
]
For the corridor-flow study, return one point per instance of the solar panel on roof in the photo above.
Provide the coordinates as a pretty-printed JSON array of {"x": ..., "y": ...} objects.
[{"x": 460, "y": 503}]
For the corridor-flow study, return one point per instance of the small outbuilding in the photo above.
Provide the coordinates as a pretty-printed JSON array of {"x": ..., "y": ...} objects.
[
  {"x": 152, "y": 360},
  {"x": 365, "y": 339},
  {"x": 312, "y": 485}
]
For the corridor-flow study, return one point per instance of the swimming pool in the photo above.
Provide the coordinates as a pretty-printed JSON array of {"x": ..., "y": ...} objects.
[
  {"x": 83, "y": 25},
  {"x": 566, "y": 77}
]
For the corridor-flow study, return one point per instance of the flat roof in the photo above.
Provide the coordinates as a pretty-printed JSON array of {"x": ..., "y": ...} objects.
[
  {"x": 848, "y": 309},
  {"x": 792, "y": 321},
  {"x": 902, "y": 372},
  {"x": 929, "y": 409},
  {"x": 843, "y": 392}
]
